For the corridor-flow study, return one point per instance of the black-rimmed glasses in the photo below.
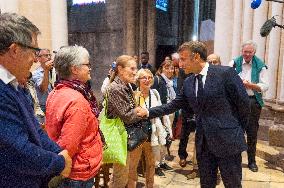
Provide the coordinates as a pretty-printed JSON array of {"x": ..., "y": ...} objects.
[{"x": 36, "y": 50}]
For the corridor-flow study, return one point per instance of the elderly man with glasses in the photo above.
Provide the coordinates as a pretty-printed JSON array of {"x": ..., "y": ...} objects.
[
  {"x": 28, "y": 158},
  {"x": 44, "y": 77}
]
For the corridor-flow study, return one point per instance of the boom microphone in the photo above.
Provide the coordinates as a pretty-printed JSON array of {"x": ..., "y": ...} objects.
[{"x": 267, "y": 26}]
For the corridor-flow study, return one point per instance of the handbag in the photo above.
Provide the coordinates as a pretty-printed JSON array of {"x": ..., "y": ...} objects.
[
  {"x": 177, "y": 125},
  {"x": 138, "y": 132},
  {"x": 115, "y": 137}
]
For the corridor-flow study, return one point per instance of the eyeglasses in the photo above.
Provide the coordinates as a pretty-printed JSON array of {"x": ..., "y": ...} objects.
[
  {"x": 213, "y": 62},
  {"x": 45, "y": 55},
  {"x": 146, "y": 78},
  {"x": 36, "y": 50},
  {"x": 87, "y": 64}
]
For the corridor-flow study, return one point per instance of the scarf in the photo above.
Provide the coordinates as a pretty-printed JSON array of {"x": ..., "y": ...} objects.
[
  {"x": 170, "y": 88},
  {"x": 84, "y": 89}
]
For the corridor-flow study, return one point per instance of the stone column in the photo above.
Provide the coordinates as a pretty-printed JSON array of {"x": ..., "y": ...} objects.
[
  {"x": 260, "y": 16},
  {"x": 280, "y": 88},
  {"x": 9, "y": 6},
  {"x": 273, "y": 54},
  {"x": 237, "y": 28},
  {"x": 223, "y": 33},
  {"x": 151, "y": 31},
  {"x": 247, "y": 21},
  {"x": 59, "y": 28},
  {"x": 281, "y": 81},
  {"x": 130, "y": 27},
  {"x": 142, "y": 26}
]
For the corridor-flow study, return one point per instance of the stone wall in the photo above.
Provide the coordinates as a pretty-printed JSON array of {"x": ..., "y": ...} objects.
[
  {"x": 100, "y": 29},
  {"x": 272, "y": 124}
]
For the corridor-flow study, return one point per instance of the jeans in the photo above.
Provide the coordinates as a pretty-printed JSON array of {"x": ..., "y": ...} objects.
[{"x": 69, "y": 183}]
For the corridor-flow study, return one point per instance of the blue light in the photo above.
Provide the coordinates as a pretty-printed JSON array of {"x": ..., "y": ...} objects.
[{"x": 162, "y": 5}]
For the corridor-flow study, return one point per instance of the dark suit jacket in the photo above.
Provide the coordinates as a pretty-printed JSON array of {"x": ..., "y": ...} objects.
[{"x": 223, "y": 114}]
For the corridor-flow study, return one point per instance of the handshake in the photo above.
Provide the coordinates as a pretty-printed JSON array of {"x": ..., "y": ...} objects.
[{"x": 141, "y": 112}]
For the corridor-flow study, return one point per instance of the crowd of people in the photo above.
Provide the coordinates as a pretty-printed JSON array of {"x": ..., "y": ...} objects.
[{"x": 50, "y": 133}]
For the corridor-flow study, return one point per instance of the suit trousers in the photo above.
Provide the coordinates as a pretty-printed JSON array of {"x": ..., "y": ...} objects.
[
  {"x": 185, "y": 132},
  {"x": 230, "y": 168},
  {"x": 252, "y": 129}
]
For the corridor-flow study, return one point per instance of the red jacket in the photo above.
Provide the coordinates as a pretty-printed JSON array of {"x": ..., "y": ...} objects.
[{"x": 72, "y": 125}]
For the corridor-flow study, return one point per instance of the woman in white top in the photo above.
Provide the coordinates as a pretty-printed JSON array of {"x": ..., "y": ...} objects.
[{"x": 147, "y": 98}]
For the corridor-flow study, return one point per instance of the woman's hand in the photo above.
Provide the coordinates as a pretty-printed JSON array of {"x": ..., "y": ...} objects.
[{"x": 141, "y": 112}]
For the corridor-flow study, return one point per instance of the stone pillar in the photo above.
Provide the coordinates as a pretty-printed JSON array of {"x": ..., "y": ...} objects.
[
  {"x": 237, "y": 28},
  {"x": 9, "y": 6},
  {"x": 247, "y": 21},
  {"x": 281, "y": 81},
  {"x": 273, "y": 53},
  {"x": 59, "y": 28},
  {"x": 130, "y": 27},
  {"x": 151, "y": 31},
  {"x": 260, "y": 16},
  {"x": 223, "y": 33}
]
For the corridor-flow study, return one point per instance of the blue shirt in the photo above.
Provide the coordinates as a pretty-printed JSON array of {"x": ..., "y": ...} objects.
[{"x": 42, "y": 96}]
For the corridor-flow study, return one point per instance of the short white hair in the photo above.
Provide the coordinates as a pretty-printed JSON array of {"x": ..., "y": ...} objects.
[
  {"x": 175, "y": 55},
  {"x": 250, "y": 43},
  {"x": 67, "y": 57}
]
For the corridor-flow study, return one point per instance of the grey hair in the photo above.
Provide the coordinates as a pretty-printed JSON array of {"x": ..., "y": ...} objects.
[
  {"x": 250, "y": 43},
  {"x": 67, "y": 57},
  {"x": 175, "y": 55},
  {"x": 15, "y": 29}
]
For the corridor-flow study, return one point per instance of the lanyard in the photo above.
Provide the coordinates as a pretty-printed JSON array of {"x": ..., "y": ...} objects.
[{"x": 145, "y": 101}]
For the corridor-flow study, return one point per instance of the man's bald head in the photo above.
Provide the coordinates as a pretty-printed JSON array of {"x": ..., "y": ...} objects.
[{"x": 214, "y": 59}]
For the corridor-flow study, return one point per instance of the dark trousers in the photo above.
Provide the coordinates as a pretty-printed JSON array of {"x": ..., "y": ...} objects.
[
  {"x": 185, "y": 132},
  {"x": 252, "y": 128},
  {"x": 230, "y": 168}
]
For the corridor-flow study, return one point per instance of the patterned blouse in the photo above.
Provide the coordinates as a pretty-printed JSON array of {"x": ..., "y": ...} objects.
[{"x": 121, "y": 102}]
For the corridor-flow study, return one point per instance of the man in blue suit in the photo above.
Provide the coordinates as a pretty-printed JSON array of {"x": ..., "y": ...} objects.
[{"x": 221, "y": 104}]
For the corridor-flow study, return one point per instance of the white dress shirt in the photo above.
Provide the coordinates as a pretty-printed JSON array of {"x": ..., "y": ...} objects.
[
  {"x": 246, "y": 75},
  {"x": 7, "y": 77},
  {"x": 204, "y": 75}
]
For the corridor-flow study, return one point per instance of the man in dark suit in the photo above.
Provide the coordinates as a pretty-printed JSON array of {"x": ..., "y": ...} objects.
[
  {"x": 221, "y": 105},
  {"x": 145, "y": 62}
]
